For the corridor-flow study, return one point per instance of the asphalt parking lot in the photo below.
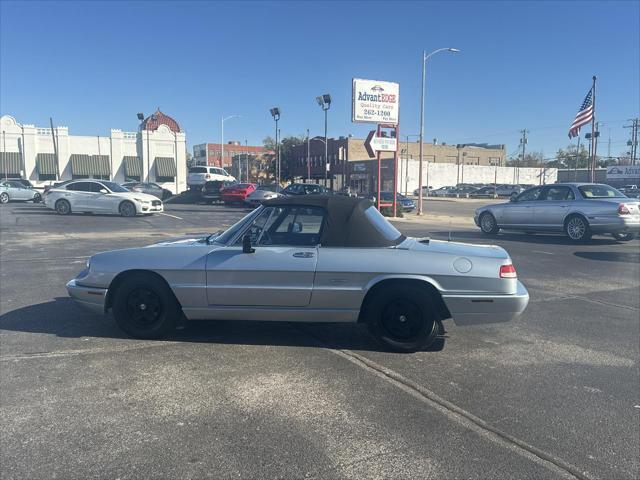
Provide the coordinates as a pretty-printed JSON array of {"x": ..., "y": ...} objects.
[{"x": 554, "y": 394}]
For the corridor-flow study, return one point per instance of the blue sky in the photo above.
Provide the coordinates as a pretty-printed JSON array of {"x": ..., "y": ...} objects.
[{"x": 92, "y": 66}]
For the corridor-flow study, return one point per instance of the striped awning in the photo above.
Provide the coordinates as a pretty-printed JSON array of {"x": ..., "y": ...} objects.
[
  {"x": 46, "y": 164},
  {"x": 10, "y": 163},
  {"x": 132, "y": 166},
  {"x": 165, "y": 167},
  {"x": 90, "y": 164}
]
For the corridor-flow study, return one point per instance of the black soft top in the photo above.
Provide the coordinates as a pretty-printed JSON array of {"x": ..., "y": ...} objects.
[{"x": 346, "y": 224}]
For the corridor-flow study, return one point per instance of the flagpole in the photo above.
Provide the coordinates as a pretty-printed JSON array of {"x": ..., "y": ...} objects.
[
  {"x": 575, "y": 168},
  {"x": 592, "y": 171}
]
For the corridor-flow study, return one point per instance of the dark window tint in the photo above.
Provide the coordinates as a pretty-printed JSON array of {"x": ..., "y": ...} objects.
[
  {"x": 529, "y": 195},
  {"x": 198, "y": 170},
  {"x": 81, "y": 186}
]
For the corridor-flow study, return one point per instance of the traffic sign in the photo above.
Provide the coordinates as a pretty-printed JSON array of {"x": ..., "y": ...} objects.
[{"x": 375, "y": 144}]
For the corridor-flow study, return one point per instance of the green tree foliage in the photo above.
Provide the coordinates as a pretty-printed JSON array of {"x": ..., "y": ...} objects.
[
  {"x": 531, "y": 159},
  {"x": 287, "y": 159},
  {"x": 567, "y": 157}
]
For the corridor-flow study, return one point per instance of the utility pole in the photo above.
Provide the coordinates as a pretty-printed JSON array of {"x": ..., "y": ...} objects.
[
  {"x": 523, "y": 143},
  {"x": 633, "y": 143}
]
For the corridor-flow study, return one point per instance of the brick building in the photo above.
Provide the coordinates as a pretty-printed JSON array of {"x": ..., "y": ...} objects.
[
  {"x": 211, "y": 153},
  {"x": 349, "y": 163}
]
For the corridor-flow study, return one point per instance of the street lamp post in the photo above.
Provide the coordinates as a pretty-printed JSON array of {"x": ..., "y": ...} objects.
[
  {"x": 275, "y": 113},
  {"x": 224, "y": 119},
  {"x": 325, "y": 103},
  {"x": 141, "y": 118},
  {"x": 425, "y": 57},
  {"x": 308, "y": 157}
]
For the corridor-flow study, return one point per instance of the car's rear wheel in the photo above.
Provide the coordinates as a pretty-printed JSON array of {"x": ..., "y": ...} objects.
[
  {"x": 37, "y": 198},
  {"x": 127, "y": 209},
  {"x": 488, "y": 224},
  {"x": 577, "y": 228},
  {"x": 145, "y": 307},
  {"x": 402, "y": 318},
  {"x": 624, "y": 237},
  {"x": 4, "y": 197},
  {"x": 63, "y": 207}
]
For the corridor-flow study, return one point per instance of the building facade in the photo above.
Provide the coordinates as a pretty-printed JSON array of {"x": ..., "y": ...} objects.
[
  {"x": 155, "y": 153},
  {"x": 212, "y": 153},
  {"x": 350, "y": 165}
]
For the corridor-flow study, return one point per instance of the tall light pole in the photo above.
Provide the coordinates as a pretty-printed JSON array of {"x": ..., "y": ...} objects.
[
  {"x": 425, "y": 57},
  {"x": 224, "y": 119},
  {"x": 325, "y": 103},
  {"x": 308, "y": 158},
  {"x": 275, "y": 113}
]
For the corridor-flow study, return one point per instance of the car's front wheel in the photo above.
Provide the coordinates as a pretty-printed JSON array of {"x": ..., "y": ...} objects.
[
  {"x": 145, "y": 307},
  {"x": 4, "y": 197},
  {"x": 577, "y": 228},
  {"x": 402, "y": 318},
  {"x": 37, "y": 198},
  {"x": 127, "y": 209},
  {"x": 488, "y": 224},
  {"x": 624, "y": 237}
]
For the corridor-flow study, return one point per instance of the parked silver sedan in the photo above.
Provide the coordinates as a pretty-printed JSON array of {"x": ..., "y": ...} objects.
[
  {"x": 577, "y": 209},
  {"x": 13, "y": 190},
  {"x": 306, "y": 259}
]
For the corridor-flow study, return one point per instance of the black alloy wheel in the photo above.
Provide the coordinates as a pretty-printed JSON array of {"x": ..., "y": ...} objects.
[
  {"x": 402, "y": 318},
  {"x": 145, "y": 307}
]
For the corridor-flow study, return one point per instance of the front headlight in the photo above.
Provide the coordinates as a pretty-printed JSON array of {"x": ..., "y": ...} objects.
[
  {"x": 141, "y": 200},
  {"x": 88, "y": 264}
]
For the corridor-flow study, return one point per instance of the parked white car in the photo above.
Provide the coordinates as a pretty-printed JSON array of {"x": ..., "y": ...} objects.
[
  {"x": 98, "y": 196},
  {"x": 199, "y": 175}
]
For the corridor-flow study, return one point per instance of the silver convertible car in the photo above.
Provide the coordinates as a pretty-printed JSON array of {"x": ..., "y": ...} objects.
[
  {"x": 577, "y": 209},
  {"x": 306, "y": 259}
]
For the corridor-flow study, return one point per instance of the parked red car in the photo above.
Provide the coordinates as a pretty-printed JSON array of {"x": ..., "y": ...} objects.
[{"x": 237, "y": 192}]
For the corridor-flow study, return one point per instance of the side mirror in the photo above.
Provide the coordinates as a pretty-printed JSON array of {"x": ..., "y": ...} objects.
[
  {"x": 104, "y": 190},
  {"x": 246, "y": 244}
]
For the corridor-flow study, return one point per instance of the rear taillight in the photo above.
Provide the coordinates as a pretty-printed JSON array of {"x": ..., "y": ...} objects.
[
  {"x": 623, "y": 209},
  {"x": 508, "y": 271}
]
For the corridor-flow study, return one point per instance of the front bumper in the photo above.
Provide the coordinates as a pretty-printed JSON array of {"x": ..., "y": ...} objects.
[
  {"x": 150, "y": 208},
  {"x": 481, "y": 309},
  {"x": 90, "y": 298}
]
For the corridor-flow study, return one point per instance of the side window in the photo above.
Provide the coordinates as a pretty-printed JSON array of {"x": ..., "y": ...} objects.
[
  {"x": 261, "y": 225},
  {"x": 529, "y": 195},
  {"x": 81, "y": 187},
  {"x": 557, "y": 194},
  {"x": 295, "y": 226},
  {"x": 96, "y": 187}
]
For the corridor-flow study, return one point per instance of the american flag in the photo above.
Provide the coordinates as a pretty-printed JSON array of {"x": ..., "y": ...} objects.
[{"x": 584, "y": 115}]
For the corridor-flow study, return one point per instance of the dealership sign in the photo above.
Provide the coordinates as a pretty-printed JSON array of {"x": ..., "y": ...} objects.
[
  {"x": 374, "y": 101},
  {"x": 622, "y": 171}
]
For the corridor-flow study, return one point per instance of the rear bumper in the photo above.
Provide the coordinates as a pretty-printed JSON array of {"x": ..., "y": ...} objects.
[
  {"x": 91, "y": 298},
  {"x": 617, "y": 224},
  {"x": 481, "y": 309}
]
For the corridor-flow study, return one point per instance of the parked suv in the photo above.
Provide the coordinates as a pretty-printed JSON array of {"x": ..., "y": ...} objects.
[{"x": 199, "y": 175}]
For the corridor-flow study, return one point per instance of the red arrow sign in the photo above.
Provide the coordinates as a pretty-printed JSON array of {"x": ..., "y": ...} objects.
[{"x": 367, "y": 144}]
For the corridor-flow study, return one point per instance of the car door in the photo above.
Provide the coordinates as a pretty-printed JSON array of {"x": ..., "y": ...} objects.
[
  {"x": 552, "y": 206},
  {"x": 19, "y": 192},
  {"x": 101, "y": 199},
  {"x": 80, "y": 196},
  {"x": 280, "y": 272},
  {"x": 520, "y": 213}
]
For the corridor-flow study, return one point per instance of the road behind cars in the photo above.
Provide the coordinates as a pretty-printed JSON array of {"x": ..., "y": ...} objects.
[{"x": 253, "y": 400}]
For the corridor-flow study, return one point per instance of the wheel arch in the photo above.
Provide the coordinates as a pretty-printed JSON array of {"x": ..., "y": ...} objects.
[
  {"x": 575, "y": 213},
  {"x": 120, "y": 277},
  {"x": 428, "y": 284},
  {"x": 127, "y": 200}
]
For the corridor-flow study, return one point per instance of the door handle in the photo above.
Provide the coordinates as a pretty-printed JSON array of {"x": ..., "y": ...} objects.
[{"x": 303, "y": 254}]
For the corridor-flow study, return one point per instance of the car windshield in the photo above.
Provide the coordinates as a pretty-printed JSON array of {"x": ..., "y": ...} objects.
[
  {"x": 114, "y": 187},
  {"x": 198, "y": 170},
  {"x": 599, "y": 191},
  {"x": 381, "y": 224},
  {"x": 224, "y": 237}
]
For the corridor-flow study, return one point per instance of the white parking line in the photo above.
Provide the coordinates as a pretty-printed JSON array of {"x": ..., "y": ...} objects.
[
  {"x": 168, "y": 215},
  {"x": 540, "y": 251}
]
